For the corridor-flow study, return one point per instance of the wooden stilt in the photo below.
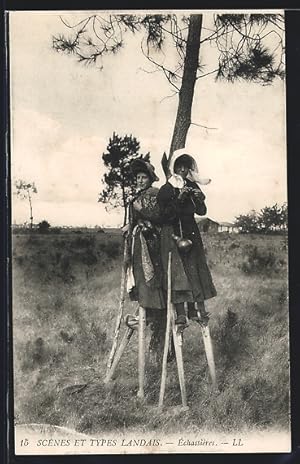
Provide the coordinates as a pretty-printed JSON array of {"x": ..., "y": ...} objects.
[
  {"x": 167, "y": 339},
  {"x": 186, "y": 310},
  {"x": 209, "y": 354},
  {"x": 127, "y": 336},
  {"x": 120, "y": 312},
  {"x": 177, "y": 337},
  {"x": 208, "y": 350},
  {"x": 141, "y": 354}
]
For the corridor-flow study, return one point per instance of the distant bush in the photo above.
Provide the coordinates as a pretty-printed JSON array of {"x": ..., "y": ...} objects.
[
  {"x": 258, "y": 261},
  {"x": 270, "y": 220},
  {"x": 247, "y": 223},
  {"x": 43, "y": 227}
]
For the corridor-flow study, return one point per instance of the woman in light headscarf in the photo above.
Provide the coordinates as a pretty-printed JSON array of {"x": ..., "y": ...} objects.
[{"x": 179, "y": 199}]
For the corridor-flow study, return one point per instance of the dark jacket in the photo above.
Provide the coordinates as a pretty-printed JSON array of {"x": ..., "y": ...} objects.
[
  {"x": 145, "y": 253},
  {"x": 191, "y": 278}
]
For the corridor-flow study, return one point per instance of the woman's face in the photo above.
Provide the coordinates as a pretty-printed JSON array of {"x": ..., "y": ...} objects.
[
  {"x": 142, "y": 180},
  {"x": 181, "y": 169}
]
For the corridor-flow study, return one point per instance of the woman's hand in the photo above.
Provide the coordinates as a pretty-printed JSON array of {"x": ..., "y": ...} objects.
[
  {"x": 184, "y": 192},
  {"x": 137, "y": 204},
  {"x": 198, "y": 195},
  {"x": 125, "y": 229}
]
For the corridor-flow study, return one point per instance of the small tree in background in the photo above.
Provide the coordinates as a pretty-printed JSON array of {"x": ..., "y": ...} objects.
[
  {"x": 284, "y": 216},
  {"x": 25, "y": 190},
  {"x": 247, "y": 223},
  {"x": 44, "y": 227},
  {"x": 268, "y": 220},
  {"x": 119, "y": 181}
]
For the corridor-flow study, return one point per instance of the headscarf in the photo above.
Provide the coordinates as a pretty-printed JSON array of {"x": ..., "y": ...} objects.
[{"x": 176, "y": 180}]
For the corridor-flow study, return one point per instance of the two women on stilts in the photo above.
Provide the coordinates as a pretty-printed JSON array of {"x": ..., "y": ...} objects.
[{"x": 163, "y": 221}]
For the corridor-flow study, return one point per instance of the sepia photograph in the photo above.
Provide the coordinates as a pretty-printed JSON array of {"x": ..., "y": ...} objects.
[{"x": 149, "y": 232}]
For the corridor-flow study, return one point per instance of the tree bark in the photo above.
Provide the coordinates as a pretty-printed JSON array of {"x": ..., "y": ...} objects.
[
  {"x": 186, "y": 93},
  {"x": 30, "y": 205},
  {"x": 124, "y": 206}
]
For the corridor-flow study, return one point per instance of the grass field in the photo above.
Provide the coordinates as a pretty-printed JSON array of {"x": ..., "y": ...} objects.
[{"x": 65, "y": 300}]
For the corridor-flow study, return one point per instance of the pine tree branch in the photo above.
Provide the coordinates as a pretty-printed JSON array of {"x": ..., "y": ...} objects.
[
  {"x": 169, "y": 96},
  {"x": 96, "y": 34},
  {"x": 204, "y": 127},
  {"x": 207, "y": 74},
  {"x": 244, "y": 35},
  {"x": 152, "y": 71},
  {"x": 167, "y": 72},
  {"x": 213, "y": 36},
  {"x": 275, "y": 24},
  {"x": 86, "y": 21},
  {"x": 174, "y": 35}
]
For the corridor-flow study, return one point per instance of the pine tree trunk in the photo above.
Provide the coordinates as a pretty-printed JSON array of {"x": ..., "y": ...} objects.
[
  {"x": 124, "y": 206},
  {"x": 30, "y": 205},
  {"x": 186, "y": 93}
]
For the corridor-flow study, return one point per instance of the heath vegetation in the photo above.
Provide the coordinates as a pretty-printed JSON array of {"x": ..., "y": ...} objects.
[{"x": 65, "y": 298}]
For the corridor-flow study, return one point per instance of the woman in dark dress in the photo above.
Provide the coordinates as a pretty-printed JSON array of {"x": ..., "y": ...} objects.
[
  {"x": 144, "y": 276},
  {"x": 179, "y": 199}
]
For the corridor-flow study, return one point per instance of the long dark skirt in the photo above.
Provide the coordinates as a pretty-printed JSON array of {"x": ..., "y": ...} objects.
[{"x": 191, "y": 279}]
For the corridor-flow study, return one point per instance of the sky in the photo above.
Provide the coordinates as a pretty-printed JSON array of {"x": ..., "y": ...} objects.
[{"x": 63, "y": 114}]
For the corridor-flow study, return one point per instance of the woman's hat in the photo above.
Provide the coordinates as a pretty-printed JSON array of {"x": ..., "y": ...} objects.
[{"x": 140, "y": 165}]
